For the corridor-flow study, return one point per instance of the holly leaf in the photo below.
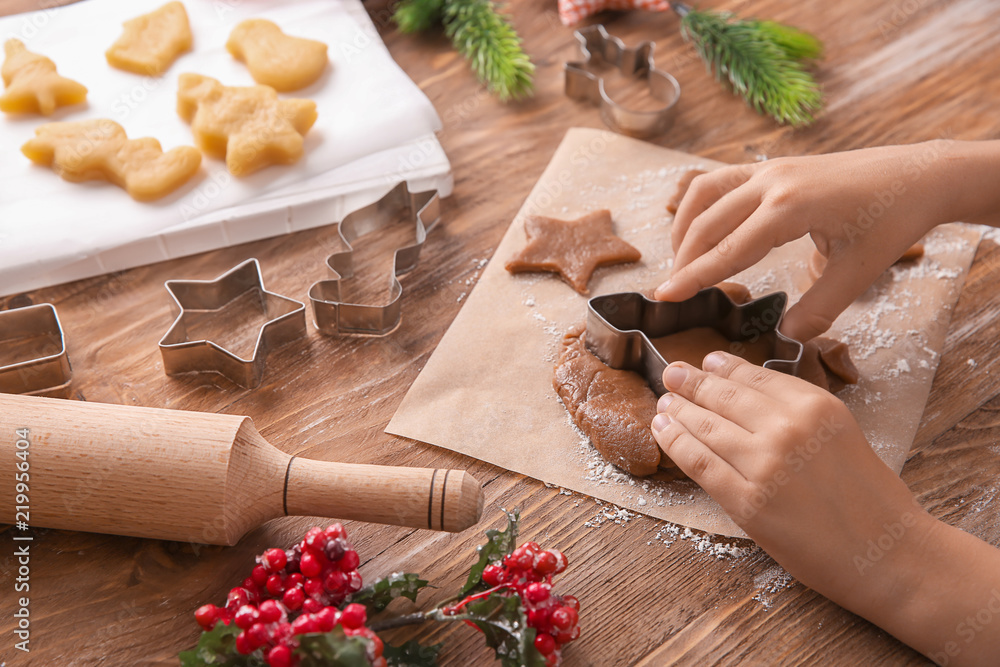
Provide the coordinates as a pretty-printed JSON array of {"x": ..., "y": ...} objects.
[
  {"x": 505, "y": 627},
  {"x": 412, "y": 654},
  {"x": 377, "y": 595},
  {"x": 499, "y": 543},
  {"x": 218, "y": 647},
  {"x": 332, "y": 649}
]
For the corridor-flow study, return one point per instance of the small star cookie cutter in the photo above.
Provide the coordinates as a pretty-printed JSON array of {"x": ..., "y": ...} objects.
[
  {"x": 34, "y": 347},
  {"x": 285, "y": 321},
  {"x": 620, "y": 326},
  {"x": 335, "y": 317},
  {"x": 598, "y": 46}
]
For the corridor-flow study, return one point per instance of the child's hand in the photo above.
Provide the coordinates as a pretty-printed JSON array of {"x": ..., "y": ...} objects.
[
  {"x": 788, "y": 462},
  {"x": 862, "y": 208}
]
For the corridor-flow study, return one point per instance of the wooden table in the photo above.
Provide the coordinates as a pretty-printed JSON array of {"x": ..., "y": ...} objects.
[{"x": 901, "y": 72}]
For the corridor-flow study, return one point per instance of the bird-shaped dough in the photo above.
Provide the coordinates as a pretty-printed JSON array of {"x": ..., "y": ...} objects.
[
  {"x": 248, "y": 126},
  {"x": 32, "y": 84},
  {"x": 150, "y": 43},
  {"x": 275, "y": 59},
  {"x": 99, "y": 150}
]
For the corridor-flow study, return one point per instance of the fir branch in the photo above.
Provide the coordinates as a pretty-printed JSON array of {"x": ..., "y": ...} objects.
[
  {"x": 486, "y": 39},
  {"x": 417, "y": 15},
  {"x": 761, "y": 60}
]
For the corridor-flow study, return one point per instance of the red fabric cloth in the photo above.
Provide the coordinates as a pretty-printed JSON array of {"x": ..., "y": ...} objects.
[{"x": 572, "y": 12}]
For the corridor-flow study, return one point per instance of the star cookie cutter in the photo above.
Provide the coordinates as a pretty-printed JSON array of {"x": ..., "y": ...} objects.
[
  {"x": 620, "y": 326},
  {"x": 34, "y": 350},
  {"x": 285, "y": 321},
  {"x": 598, "y": 46},
  {"x": 336, "y": 317}
]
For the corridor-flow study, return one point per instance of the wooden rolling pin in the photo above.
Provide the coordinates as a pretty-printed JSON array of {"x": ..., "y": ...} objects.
[{"x": 197, "y": 477}]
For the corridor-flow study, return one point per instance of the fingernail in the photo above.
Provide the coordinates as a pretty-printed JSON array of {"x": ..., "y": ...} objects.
[
  {"x": 674, "y": 376},
  {"x": 713, "y": 362},
  {"x": 660, "y": 422},
  {"x": 665, "y": 400},
  {"x": 661, "y": 290}
]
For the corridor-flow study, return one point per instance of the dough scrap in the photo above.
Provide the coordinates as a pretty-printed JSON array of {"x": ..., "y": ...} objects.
[
  {"x": 150, "y": 43},
  {"x": 826, "y": 363},
  {"x": 275, "y": 59},
  {"x": 683, "y": 183},
  {"x": 32, "y": 84},
  {"x": 99, "y": 150},
  {"x": 572, "y": 248},
  {"x": 248, "y": 126}
]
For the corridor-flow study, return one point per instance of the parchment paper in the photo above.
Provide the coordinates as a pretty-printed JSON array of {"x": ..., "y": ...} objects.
[{"x": 487, "y": 389}]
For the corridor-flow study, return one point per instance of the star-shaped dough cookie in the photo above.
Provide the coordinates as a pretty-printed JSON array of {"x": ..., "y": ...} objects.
[
  {"x": 572, "y": 248},
  {"x": 99, "y": 149},
  {"x": 150, "y": 43},
  {"x": 248, "y": 126},
  {"x": 32, "y": 83}
]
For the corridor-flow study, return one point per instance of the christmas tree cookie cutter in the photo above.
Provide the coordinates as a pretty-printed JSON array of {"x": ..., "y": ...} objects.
[
  {"x": 620, "y": 328},
  {"x": 285, "y": 321},
  {"x": 333, "y": 316},
  {"x": 597, "y": 47},
  {"x": 39, "y": 362}
]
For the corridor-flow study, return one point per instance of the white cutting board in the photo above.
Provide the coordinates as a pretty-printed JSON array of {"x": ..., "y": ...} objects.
[{"x": 375, "y": 127}]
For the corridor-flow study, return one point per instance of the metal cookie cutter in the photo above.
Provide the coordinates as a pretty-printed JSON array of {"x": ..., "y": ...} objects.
[
  {"x": 620, "y": 326},
  {"x": 598, "y": 46},
  {"x": 285, "y": 321},
  {"x": 333, "y": 316},
  {"x": 34, "y": 358}
]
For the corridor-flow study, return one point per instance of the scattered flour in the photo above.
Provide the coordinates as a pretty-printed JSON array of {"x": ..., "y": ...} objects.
[{"x": 769, "y": 583}]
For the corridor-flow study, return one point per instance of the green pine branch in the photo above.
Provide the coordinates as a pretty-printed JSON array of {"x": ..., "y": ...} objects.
[
  {"x": 764, "y": 62},
  {"x": 484, "y": 37}
]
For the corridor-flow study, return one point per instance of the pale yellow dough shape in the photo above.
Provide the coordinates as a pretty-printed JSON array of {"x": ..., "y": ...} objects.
[
  {"x": 275, "y": 59},
  {"x": 248, "y": 126},
  {"x": 98, "y": 149},
  {"x": 150, "y": 43},
  {"x": 32, "y": 84}
]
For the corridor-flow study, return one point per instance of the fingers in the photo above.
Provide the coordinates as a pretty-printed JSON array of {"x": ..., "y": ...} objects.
[
  {"x": 715, "y": 224},
  {"x": 743, "y": 248},
  {"x": 699, "y": 461},
  {"x": 736, "y": 403},
  {"x": 843, "y": 280},
  {"x": 704, "y": 191},
  {"x": 773, "y": 385}
]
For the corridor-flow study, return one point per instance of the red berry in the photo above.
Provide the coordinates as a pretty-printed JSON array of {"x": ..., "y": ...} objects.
[
  {"x": 237, "y": 598},
  {"x": 243, "y": 644},
  {"x": 545, "y": 563},
  {"x": 353, "y": 616},
  {"x": 245, "y": 616},
  {"x": 567, "y": 636},
  {"x": 354, "y": 581},
  {"x": 536, "y": 592},
  {"x": 561, "y": 561},
  {"x": 335, "y": 582},
  {"x": 293, "y": 598},
  {"x": 545, "y": 643},
  {"x": 349, "y": 561},
  {"x": 564, "y": 618},
  {"x": 280, "y": 656},
  {"x": 294, "y": 579},
  {"x": 492, "y": 574},
  {"x": 551, "y": 660},
  {"x": 315, "y": 539},
  {"x": 311, "y": 606},
  {"x": 521, "y": 558},
  {"x": 377, "y": 645},
  {"x": 540, "y": 618},
  {"x": 335, "y": 530},
  {"x": 259, "y": 576},
  {"x": 571, "y": 602},
  {"x": 271, "y": 611},
  {"x": 310, "y": 565},
  {"x": 303, "y": 624},
  {"x": 258, "y": 635},
  {"x": 533, "y": 547},
  {"x": 313, "y": 587},
  {"x": 274, "y": 585},
  {"x": 273, "y": 560},
  {"x": 327, "y": 617},
  {"x": 206, "y": 616}
]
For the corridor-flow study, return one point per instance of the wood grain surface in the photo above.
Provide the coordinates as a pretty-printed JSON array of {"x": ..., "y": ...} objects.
[{"x": 900, "y": 71}]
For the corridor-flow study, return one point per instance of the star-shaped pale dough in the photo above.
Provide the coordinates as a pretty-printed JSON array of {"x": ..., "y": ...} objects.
[
  {"x": 99, "y": 149},
  {"x": 572, "y": 248},
  {"x": 32, "y": 84},
  {"x": 248, "y": 126}
]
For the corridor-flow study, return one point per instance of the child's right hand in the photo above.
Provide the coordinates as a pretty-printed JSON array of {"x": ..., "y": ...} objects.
[{"x": 862, "y": 208}]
